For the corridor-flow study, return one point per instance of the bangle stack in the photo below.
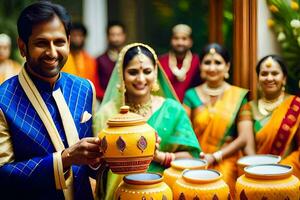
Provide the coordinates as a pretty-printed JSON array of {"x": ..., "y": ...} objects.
[
  {"x": 169, "y": 157},
  {"x": 218, "y": 156}
]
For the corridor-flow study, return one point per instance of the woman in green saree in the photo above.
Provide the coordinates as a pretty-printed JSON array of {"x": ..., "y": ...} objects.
[{"x": 139, "y": 81}]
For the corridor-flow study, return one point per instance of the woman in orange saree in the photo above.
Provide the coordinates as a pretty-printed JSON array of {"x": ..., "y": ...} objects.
[
  {"x": 221, "y": 126},
  {"x": 276, "y": 115}
]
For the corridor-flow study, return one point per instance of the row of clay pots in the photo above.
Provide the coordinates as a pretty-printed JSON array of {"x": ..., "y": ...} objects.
[
  {"x": 261, "y": 182},
  {"x": 128, "y": 144}
]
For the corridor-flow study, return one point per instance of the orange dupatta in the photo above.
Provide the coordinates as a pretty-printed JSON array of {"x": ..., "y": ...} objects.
[
  {"x": 276, "y": 136},
  {"x": 218, "y": 123},
  {"x": 213, "y": 125},
  {"x": 83, "y": 65}
]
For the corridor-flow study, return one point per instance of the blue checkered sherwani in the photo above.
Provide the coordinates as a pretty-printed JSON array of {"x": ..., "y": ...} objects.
[{"x": 31, "y": 175}]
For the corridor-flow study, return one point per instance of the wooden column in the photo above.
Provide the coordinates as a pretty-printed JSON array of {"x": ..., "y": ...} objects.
[
  {"x": 245, "y": 44},
  {"x": 215, "y": 21},
  {"x": 129, "y": 18}
]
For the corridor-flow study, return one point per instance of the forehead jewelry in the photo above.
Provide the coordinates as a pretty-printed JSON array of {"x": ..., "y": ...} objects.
[
  {"x": 269, "y": 62},
  {"x": 141, "y": 56},
  {"x": 212, "y": 51}
]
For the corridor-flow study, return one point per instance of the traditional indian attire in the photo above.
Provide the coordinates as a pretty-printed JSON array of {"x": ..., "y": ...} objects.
[
  {"x": 83, "y": 65},
  {"x": 169, "y": 120},
  {"x": 37, "y": 122},
  {"x": 105, "y": 65},
  {"x": 192, "y": 76},
  {"x": 8, "y": 69},
  {"x": 215, "y": 125},
  {"x": 276, "y": 132}
]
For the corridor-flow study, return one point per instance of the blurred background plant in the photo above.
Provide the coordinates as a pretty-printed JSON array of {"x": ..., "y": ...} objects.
[
  {"x": 10, "y": 11},
  {"x": 285, "y": 23}
]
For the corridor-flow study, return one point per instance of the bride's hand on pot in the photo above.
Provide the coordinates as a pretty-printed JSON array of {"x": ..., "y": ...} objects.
[
  {"x": 208, "y": 157},
  {"x": 158, "y": 140},
  {"x": 159, "y": 156}
]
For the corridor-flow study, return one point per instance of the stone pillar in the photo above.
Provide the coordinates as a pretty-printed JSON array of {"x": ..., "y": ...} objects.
[{"x": 95, "y": 19}]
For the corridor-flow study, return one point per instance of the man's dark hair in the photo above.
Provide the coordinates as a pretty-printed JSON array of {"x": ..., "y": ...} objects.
[
  {"x": 80, "y": 27},
  {"x": 115, "y": 23},
  {"x": 40, "y": 12}
]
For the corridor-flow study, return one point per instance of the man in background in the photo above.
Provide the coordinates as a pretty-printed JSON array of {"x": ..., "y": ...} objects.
[
  {"x": 79, "y": 62},
  {"x": 180, "y": 65},
  {"x": 8, "y": 67},
  {"x": 116, "y": 37}
]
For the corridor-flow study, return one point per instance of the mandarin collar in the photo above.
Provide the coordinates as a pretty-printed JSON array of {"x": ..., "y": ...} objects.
[{"x": 42, "y": 85}]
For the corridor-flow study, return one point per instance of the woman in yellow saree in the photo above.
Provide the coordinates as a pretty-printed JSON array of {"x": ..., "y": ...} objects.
[
  {"x": 135, "y": 82},
  {"x": 276, "y": 115},
  {"x": 214, "y": 107}
]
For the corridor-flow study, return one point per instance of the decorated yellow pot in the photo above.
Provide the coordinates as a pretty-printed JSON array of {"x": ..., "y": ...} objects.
[
  {"x": 201, "y": 184},
  {"x": 144, "y": 186},
  {"x": 256, "y": 160},
  {"x": 177, "y": 166},
  {"x": 128, "y": 143},
  {"x": 268, "y": 182}
]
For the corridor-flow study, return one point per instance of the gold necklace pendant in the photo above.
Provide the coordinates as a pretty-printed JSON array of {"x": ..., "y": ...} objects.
[
  {"x": 141, "y": 109},
  {"x": 265, "y": 107}
]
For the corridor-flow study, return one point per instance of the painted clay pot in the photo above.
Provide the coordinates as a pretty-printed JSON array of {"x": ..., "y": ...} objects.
[
  {"x": 259, "y": 159},
  {"x": 128, "y": 143},
  {"x": 178, "y": 166},
  {"x": 268, "y": 182},
  {"x": 144, "y": 186},
  {"x": 201, "y": 184}
]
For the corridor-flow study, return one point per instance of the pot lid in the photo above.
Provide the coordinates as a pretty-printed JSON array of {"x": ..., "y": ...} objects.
[
  {"x": 268, "y": 171},
  {"x": 143, "y": 178},
  {"x": 259, "y": 159},
  {"x": 201, "y": 175},
  {"x": 125, "y": 118},
  {"x": 188, "y": 163}
]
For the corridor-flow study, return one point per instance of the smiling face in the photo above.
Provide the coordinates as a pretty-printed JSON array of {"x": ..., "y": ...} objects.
[
  {"x": 47, "y": 49},
  {"x": 214, "y": 67},
  {"x": 139, "y": 75},
  {"x": 181, "y": 42},
  {"x": 271, "y": 79}
]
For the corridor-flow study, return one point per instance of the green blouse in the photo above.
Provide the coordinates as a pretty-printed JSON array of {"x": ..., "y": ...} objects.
[{"x": 174, "y": 127}]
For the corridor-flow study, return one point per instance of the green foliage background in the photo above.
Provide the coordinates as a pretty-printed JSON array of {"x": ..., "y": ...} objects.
[
  {"x": 283, "y": 12},
  {"x": 9, "y": 13}
]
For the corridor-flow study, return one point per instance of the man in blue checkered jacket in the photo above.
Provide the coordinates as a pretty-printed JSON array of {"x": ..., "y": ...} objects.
[{"x": 46, "y": 146}]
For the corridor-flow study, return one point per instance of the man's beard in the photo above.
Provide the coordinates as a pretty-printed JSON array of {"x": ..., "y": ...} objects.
[
  {"x": 76, "y": 47},
  {"x": 115, "y": 46},
  {"x": 180, "y": 52}
]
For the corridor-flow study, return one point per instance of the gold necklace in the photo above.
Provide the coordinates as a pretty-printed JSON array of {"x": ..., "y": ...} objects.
[
  {"x": 214, "y": 91},
  {"x": 186, "y": 65},
  {"x": 141, "y": 109},
  {"x": 265, "y": 107}
]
